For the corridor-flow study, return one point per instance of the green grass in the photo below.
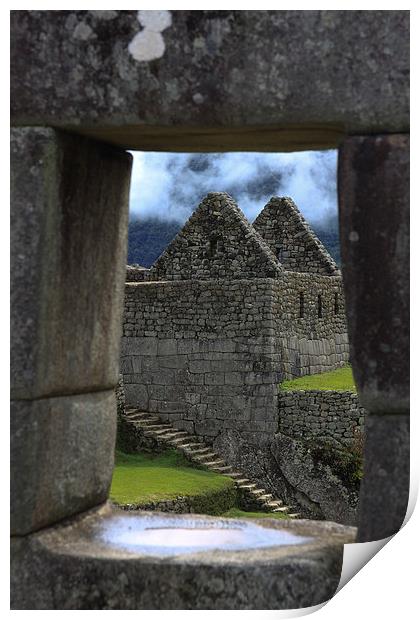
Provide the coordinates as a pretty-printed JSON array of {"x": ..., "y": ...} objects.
[
  {"x": 143, "y": 478},
  {"x": 340, "y": 380},
  {"x": 237, "y": 513}
]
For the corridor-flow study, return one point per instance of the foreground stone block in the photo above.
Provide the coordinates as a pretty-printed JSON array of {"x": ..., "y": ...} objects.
[
  {"x": 73, "y": 567},
  {"x": 385, "y": 487},
  {"x": 62, "y": 457},
  {"x": 69, "y": 242},
  {"x": 193, "y": 94},
  {"x": 374, "y": 229}
]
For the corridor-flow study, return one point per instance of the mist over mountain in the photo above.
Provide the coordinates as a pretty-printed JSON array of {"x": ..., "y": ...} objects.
[{"x": 167, "y": 187}]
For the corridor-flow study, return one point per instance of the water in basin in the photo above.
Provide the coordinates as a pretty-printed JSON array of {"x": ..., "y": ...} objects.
[{"x": 169, "y": 536}]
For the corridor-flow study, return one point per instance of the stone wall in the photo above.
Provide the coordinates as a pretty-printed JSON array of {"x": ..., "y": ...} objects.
[
  {"x": 202, "y": 354},
  {"x": 216, "y": 242},
  {"x": 310, "y": 323},
  {"x": 320, "y": 415},
  {"x": 291, "y": 240},
  {"x": 136, "y": 273},
  {"x": 209, "y": 355}
]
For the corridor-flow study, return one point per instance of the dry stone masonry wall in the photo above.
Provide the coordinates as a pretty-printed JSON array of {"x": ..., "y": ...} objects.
[
  {"x": 217, "y": 242},
  {"x": 322, "y": 415},
  {"x": 310, "y": 323},
  {"x": 202, "y": 354},
  {"x": 209, "y": 336},
  {"x": 136, "y": 273},
  {"x": 291, "y": 240}
]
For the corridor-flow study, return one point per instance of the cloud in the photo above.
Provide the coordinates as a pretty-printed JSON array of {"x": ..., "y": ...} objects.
[{"x": 169, "y": 186}]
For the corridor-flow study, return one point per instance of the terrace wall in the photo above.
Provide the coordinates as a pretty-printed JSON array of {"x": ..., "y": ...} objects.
[{"x": 322, "y": 415}]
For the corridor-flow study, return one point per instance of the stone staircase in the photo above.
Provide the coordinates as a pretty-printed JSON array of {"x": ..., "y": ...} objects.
[{"x": 199, "y": 453}]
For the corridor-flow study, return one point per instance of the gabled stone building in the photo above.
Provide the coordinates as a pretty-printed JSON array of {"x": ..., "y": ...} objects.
[{"x": 219, "y": 320}]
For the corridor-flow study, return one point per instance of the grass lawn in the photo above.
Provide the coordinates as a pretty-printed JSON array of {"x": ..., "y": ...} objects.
[
  {"x": 340, "y": 379},
  {"x": 142, "y": 478},
  {"x": 237, "y": 513}
]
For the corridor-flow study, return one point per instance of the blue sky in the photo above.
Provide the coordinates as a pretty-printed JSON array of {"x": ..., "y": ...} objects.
[{"x": 171, "y": 185}]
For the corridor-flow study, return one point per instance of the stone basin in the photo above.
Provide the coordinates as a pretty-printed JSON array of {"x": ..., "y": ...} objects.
[
  {"x": 110, "y": 559},
  {"x": 166, "y": 535}
]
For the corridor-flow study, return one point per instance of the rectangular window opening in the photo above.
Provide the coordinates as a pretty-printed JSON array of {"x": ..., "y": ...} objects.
[
  {"x": 177, "y": 335},
  {"x": 320, "y": 306},
  {"x": 301, "y": 305}
]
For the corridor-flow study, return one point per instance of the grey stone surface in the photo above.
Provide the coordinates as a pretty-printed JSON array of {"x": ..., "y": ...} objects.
[
  {"x": 291, "y": 240},
  {"x": 62, "y": 456},
  {"x": 209, "y": 335},
  {"x": 321, "y": 415},
  {"x": 216, "y": 242},
  {"x": 374, "y": 223},
  {"x": 136, "y": 273},
  {"x": 68, "y": 239},
  {"x": 317, "y": 489},
  {"x": 219, "y": 80},
  {"x": 385, "y": 486},
  {"x": 120, "y": 396},
  {"x": 70, "y": 567},
  {"x": 285, "y": 467}
]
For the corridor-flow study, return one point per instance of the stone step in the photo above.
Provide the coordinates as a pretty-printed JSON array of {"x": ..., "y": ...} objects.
[
  {"x": 157, "y": 427},
  {"x": 248, "y": 486},
  {"x": 231, "y": 475},
  {"x": 196, "y": 446},
  {"x": 267, "y": 497},
  {"x": 225, "y": 469},
  {"x": 169, "y": 435},
  {"x": 189, "y": 447},
  {"x": 212, "y": 464},
  {"x": 292, "y": 515},
  {"x": 200, "y": 458},
  {"x": 200, "y": 453},
  {"x": 257, "y": 492},
  {"x": 179, "y": 438},
  {"x": 275, "y": 503},
  {"x": 139, "y": 417}
]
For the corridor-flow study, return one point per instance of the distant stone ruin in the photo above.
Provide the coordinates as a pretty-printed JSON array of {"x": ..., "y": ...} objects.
[{"x": 225, "y": 314}]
